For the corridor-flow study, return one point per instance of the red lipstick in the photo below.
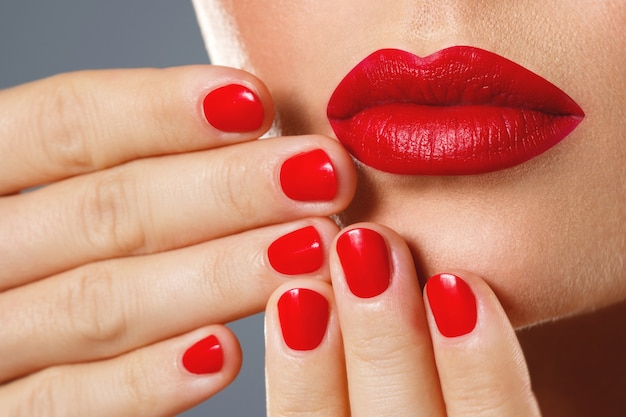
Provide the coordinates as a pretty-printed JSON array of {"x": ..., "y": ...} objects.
[{"x": 459, "y": 111}]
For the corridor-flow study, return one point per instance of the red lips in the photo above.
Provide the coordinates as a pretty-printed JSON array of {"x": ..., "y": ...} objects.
[{"x": 461, "y": 110}]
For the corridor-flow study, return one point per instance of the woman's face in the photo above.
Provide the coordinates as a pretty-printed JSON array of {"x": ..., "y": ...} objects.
[{"x": 548, "y": 234}]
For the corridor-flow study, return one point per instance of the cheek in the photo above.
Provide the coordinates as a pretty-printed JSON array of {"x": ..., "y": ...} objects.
[
  {"x": 549, "y": 236},
  {"x": 257, "y": 36}
]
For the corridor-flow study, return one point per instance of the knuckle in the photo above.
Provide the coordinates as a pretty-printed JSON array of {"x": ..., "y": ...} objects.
[
  {"x": 384, "y": 351},
  {"x": 66, "y": 114},
  {"x": 108, "y": 216},
  {"x": 159, "y": 110},
  {"x": 42, "y": 396},
  {"x": 479, "y": 399},
  {"x": 218, "y": 278},
  {"x": 367, "y": 349},
  {"x": 306, "y": 403},
  {"x": 228, "y": 181},
  {"x": 139, "y": 385},
  {"x": 95, "y": 311}
]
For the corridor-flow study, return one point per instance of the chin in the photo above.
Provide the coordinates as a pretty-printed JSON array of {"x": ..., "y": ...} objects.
[{"x": 541, "y": 264}]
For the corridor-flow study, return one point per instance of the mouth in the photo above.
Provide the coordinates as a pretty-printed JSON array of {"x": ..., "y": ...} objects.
[{"x": 459, "y": 111}]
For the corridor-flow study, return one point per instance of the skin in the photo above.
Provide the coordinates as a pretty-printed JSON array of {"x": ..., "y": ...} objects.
[
  {"x": 525, "y": 230},
  {"x": 548, "y": 235},
  {"x": 139, "y": 211},
  {"x": 91, "y": 259}
]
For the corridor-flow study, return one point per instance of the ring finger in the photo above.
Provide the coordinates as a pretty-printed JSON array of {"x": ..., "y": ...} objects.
[
  {"x": 304, "y": 357},
  {"x": 103, "y": 309}
]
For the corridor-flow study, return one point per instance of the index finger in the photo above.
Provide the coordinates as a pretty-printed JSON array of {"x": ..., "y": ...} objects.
[
  {"x": 480, "y": 362},
  {"x": 86, "y": 121}
]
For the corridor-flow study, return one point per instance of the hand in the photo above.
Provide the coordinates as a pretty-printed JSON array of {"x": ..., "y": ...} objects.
[
  {"x": 153, "y": 229},
  {"x": 371, "y": 345}
]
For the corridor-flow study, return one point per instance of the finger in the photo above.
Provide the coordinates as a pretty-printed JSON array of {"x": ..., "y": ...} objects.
[
  {"x": 159, "y": 380},
  {"x": 75, "y": 123},
  {"x": 305, "y": 370},
  {"x": 158, "y": 204},
  {"x": 389, "y": 358},
  {"x": 480, "y": 363},
  {"x": 101, "y": 310}
]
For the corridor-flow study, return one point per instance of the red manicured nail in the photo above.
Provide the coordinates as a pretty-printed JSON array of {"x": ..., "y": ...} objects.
[
  {"x": 298, "y": 252},
  {"x": 453, "y": 304},
  {"x": 365, "y": 261},
  {"x": 233, "y": 108},
  {"x": 303, "y": 316},
  {"x": 309, "y": 176},
  {"x": 204, "y": 357}
]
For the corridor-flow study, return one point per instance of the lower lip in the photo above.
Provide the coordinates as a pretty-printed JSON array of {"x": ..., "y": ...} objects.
[
  {"x": 427, "y": 140},
  {"x": 460, "y": 111}
]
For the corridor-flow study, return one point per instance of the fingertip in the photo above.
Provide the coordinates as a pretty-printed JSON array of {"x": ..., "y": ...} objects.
[
  {"x": 302, "y": 249},
  {"x": 230, "y": 103},
  {"x": 347, "y": 175},
  {"x": 208, "y": 360},
  {"x": 384, "y": 330},
  {"x": 87, "y": 121},
  {"x": 166, "y": 378},
  {"x": 460, "y": 302},
  {"x": 316, "y": 170},
  {"x": 305, "y": 371},
  {"x": 367, "y": 259},
  {"x": 452, "y": 305},
  {"x": 322, "y": 287},
  {"x": 479, "y": 360},
  {"x": 298, "y": 315}
]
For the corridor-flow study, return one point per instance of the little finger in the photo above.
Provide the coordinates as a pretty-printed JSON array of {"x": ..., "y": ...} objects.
[
  {"x": 161, "y": 380},
  {"x": 104, "y": 309}
]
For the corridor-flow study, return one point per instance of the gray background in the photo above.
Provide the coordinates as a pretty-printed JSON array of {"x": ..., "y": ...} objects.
[{"x": 43, "y": 37}]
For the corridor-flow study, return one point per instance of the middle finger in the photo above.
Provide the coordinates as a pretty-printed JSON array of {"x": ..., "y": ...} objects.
[
  {"x": 389, "y": 358},
  {"x": 158, "y": 204}
]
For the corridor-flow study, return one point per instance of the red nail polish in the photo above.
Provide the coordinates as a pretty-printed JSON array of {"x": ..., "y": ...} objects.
[
  {"x": 453, "y": 304},
  {"x": 365, "y": 260},
  {"x": 298, "y": 252},
  {"x": 204, "y": 357},
  {"x": 233, "y": 108},
  {"x": 303, "y": 316},
  {"x": 309, "y": 176}
]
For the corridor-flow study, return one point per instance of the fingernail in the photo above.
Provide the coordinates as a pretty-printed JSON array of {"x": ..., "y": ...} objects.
[
  {"x": 303, "y": 316},
  {"x": 365, "y": 260},
  {"x": 204, "y": 357},
  {"x": 309, "y": 176},
  {"x": 453, "y": 304},
  {"x": 233, "y": 108},
  {"x": 298, "y": 252}
]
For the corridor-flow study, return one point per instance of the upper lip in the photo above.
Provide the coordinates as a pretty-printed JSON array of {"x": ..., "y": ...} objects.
[{"x": 461, "y": 110}]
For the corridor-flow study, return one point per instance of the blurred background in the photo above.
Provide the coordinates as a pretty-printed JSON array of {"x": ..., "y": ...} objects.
[{"x": 39, "y": 38}]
